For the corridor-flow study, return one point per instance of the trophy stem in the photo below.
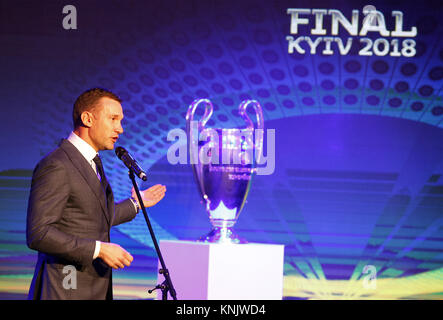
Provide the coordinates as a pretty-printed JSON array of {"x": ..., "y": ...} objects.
[{"x": 222, "y": 235}]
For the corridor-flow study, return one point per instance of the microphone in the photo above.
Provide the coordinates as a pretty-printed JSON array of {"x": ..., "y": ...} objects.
[{"x": 129, "y": 162}]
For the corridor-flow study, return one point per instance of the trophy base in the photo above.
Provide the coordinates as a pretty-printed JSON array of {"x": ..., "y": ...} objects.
[{"x": 222, "y": 235}]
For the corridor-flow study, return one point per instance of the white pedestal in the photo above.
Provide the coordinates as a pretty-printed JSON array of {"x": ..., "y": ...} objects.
[{"x": 203, "y": 271}]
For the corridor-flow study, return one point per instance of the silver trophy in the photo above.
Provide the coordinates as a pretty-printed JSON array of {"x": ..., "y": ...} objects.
[{"x": 224, "y": 161}]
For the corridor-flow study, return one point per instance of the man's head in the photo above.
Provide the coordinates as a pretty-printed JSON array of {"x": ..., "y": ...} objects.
[{"x": 97, "y": 117}]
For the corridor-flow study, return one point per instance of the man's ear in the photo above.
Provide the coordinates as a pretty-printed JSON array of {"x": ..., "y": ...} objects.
[{"x": 87, "y": 118}]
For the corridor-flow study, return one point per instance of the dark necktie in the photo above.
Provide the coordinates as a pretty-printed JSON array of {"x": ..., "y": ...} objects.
[
  {"x": 104, "y": 183},
  {"x": 101, "y": 172}
]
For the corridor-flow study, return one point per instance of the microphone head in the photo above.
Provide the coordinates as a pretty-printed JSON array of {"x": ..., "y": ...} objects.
[{"x": 120, "y": 151}]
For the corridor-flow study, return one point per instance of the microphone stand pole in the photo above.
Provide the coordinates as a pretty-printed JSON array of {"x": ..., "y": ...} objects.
[{"x": 166, "y": 286}]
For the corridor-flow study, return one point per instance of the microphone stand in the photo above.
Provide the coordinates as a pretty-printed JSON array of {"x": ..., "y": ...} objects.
[{"x": 166, "y": 286}]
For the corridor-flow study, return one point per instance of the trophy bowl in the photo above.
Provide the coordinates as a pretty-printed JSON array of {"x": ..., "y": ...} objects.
[{"x": 224, "y": 161}]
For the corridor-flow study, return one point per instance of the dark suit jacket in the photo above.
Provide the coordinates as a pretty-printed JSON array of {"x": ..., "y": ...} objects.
[{"x": 67, "y": 213}]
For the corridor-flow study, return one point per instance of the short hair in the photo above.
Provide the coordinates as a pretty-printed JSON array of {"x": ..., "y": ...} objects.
[{"x": 87, "y": 101}]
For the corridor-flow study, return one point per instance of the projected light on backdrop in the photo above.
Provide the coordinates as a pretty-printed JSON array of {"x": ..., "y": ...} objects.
[{"x": 359, "y": 153}]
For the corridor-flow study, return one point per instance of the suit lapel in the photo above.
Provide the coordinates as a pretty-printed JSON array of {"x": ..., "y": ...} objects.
[{"x": 89, "y": 175}]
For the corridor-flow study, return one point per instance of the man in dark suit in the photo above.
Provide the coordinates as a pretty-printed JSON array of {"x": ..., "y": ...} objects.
[{"x": 71, "y": 207}]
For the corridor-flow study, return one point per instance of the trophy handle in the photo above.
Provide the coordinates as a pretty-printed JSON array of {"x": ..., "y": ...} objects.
[
  {"x": 191, "y": 112},
  {"x": 250, "y": 125},
  {"x": 192, "y": 132}
]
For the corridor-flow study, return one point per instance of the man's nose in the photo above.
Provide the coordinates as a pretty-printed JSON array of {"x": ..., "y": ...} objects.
[{"x": 119, "y": 129}]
